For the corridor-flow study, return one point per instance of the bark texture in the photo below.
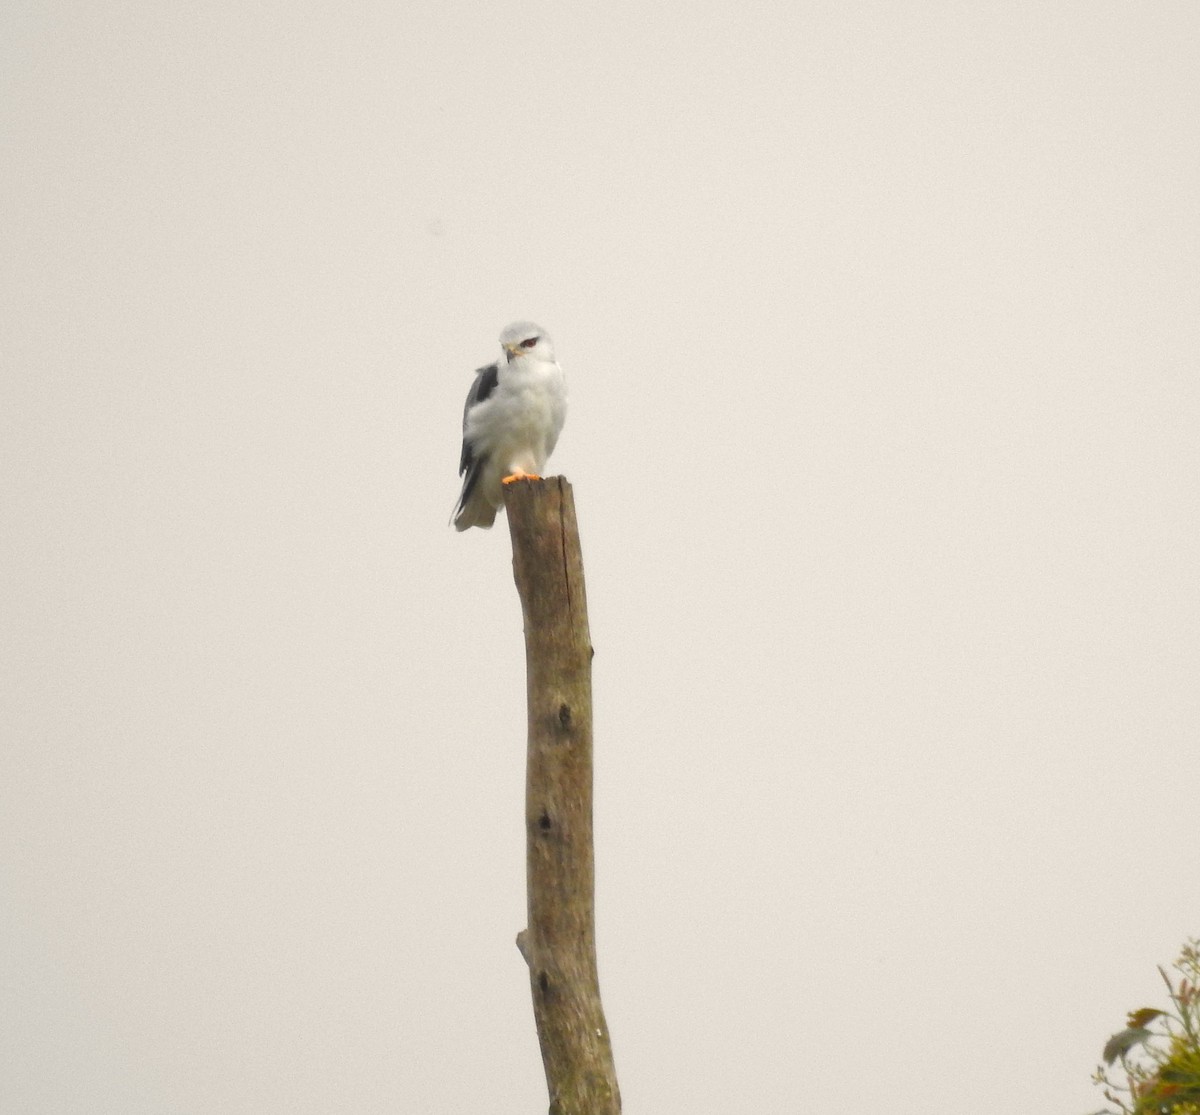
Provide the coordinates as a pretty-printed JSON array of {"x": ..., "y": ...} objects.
[{"x": 559, "y": 943}]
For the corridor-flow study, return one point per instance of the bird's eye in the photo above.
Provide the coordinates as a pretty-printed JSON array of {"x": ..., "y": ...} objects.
[{"x": 529, "y": 342}]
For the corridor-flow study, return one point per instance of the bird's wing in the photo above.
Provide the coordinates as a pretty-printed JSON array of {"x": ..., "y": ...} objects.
[
  {"x": 559, "y": 414},
  {"x": 485, "y": 383}
]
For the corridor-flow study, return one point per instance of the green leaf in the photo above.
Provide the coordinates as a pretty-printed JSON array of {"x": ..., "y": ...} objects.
[
  {"x": 1121, "y": 1043},
  {"x": 1139, "y": 1019}
]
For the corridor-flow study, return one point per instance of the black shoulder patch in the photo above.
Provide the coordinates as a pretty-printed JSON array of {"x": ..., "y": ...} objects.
[
  {"x": 486, "y": 379},
  {"x": 485, "y": 383}
]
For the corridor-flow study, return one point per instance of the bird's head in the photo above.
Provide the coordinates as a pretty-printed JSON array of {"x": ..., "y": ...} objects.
[{"x": 523, "y": 338}]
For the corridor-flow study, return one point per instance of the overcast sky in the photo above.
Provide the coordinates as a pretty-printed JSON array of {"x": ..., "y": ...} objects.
[{"x": 882, "y": 328}]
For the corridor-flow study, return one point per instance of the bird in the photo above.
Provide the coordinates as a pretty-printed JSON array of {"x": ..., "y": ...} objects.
[{"x": 511, "y": 421}]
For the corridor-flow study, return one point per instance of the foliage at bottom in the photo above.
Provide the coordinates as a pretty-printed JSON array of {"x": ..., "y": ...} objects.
[{"x": 1158, "y": 1052}]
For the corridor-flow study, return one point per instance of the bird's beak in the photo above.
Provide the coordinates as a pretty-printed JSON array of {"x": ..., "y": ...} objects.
[{"x": 513, "y": 351}]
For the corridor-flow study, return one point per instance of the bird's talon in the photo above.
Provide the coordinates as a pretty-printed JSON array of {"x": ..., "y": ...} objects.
[{"x": 520, "y": 476}]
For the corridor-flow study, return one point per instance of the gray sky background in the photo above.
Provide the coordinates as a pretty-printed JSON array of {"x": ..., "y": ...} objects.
[{"x": 880, "y": 322}]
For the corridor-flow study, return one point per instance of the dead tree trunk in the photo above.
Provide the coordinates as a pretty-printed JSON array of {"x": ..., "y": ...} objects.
[{"x": 559, "y": 943}]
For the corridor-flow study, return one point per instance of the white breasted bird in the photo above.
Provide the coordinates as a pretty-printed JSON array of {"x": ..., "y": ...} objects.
[{"x": 515, "y": 411}]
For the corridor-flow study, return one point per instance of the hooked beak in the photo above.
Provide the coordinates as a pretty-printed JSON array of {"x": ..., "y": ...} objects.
[{"x": 513, "y": 350}]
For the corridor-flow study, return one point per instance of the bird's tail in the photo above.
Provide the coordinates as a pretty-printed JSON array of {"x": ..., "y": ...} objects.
[{"x": 474, "y": 512}]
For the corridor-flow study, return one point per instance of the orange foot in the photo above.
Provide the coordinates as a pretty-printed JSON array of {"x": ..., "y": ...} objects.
[{"x": 520, "y": 476}]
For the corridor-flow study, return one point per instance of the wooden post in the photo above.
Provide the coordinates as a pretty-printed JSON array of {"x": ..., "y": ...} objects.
[{"x": 559, "y": 942}]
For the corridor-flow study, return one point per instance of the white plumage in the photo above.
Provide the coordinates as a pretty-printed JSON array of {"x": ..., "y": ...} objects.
[{"x": 514, "y": 413}]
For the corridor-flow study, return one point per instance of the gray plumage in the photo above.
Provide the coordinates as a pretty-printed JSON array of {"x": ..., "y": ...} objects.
[{"x": 511, "y": 421}]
